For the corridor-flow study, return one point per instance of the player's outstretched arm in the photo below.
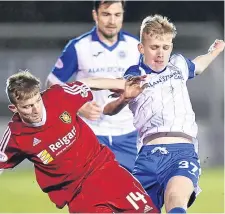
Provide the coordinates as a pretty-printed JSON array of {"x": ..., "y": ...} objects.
[
  {"x": 103, "y": 83},
  {"x": 203, "y": 61},
  {"x": 10, "y": 154},
  {"x": 108, "y": 83}
]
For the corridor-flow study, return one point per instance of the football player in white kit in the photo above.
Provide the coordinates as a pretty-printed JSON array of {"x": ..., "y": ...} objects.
[{"x": 167, "y": 165}]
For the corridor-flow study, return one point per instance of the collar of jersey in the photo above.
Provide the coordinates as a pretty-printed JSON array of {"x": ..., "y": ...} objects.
[
  {"x": 110, "y": 48},
  {"x": 147, "y": 69}
]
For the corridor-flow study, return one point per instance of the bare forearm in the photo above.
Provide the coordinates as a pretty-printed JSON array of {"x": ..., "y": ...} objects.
[
  {"x": 203, "y": 61},
  {"x": 104, "y": 83},
  {"x": 115, "y": 106}
]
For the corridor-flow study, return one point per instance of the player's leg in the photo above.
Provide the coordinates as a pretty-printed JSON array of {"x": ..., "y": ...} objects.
[
  {"x": 133, "y": 197},
  {"x": 181, "y": 177},
  {"x": 75, "y": 207},
  {"x": 146, "y": 170},
  {"x": 114, "y": 187},
  {"x": 125, "y": 149},
  {"x": 177, "y": 194}
]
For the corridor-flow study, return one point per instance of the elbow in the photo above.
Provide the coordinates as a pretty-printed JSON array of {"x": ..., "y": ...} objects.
[
  {"x": 52, "y": 80},
  {"x": 108, "y": 111},
  {"x": 48, "y": 84}
]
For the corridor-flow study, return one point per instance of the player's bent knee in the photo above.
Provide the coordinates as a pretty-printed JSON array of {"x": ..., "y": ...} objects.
[
  {"x": 181, "y": 185},
  {"x": 178, "y": 192}
]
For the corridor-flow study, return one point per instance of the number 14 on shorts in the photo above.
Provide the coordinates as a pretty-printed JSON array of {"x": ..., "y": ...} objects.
[{"x": 133, "y": 199}]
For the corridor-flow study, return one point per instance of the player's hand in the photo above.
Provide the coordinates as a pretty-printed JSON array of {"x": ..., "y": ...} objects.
[
  {"x": 116, "y": 93},
  {"x": 133, "y": 87},
  {"x": 218, "y": 45},
  {"x": 91, "y": 111}
]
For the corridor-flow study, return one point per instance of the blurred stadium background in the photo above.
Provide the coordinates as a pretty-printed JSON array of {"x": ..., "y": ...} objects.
[{"x": 32, "y": 35}]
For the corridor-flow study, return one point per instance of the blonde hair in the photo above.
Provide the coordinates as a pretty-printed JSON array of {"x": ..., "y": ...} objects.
[
  {"x": 22, "y": 86},
  {"x": 157, "y": 25}
]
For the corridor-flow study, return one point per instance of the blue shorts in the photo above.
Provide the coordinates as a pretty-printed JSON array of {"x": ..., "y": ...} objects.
[
  {"x": 124, "y": 147},
  {"x": 156, "y": 164}
]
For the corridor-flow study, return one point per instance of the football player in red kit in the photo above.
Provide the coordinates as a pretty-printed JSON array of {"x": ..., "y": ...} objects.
[{"x": 70, "y": 164}]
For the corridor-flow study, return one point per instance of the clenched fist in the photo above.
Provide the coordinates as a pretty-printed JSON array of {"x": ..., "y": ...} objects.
[
  {"x": 218, "y": 45},
  {"x": 91, "y": 111}
]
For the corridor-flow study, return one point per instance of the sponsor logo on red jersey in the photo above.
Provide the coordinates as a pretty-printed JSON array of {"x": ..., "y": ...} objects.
[
  {"x": 45, "y": 157},
  {"x": 64, "y": 142}
]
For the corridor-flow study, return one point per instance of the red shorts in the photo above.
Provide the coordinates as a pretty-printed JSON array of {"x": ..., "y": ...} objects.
[{"x": 112, "y": 189}]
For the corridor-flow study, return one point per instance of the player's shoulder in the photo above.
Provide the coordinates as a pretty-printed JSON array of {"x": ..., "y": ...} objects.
[
  {"x": 177, "y": 58},
  {"x": 133, "y": 70},
  {"x": 56, "y": 91},
  {"x": 80, "y": 39},
  {"x": 13, "y": 128},
  {"x": 8, "y": 131},
  {"x": 4, "y": 142},
  {"x": 51, "y": 90},
  {"x": 180, "y": 61},
  {"x": 52, "y": 94},
  {"x": 130, "y": 38}
]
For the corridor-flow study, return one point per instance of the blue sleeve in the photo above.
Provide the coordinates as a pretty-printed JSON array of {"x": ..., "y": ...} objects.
[
  {"x": 191, "y": 68},
  {"x": 67, "y": 63},
  {"x": 132, "y": 71}
]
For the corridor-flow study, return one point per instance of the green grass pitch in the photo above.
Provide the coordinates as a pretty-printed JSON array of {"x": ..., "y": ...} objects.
[{"x": 19, "y": 192}]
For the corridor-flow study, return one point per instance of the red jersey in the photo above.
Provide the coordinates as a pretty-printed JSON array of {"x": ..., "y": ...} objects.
[{"x": 64, "y": 150}]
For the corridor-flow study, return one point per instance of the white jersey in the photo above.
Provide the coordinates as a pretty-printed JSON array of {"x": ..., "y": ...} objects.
[
  {"x": 164, "y": 105},
  {"x": 87, "y": 56}
]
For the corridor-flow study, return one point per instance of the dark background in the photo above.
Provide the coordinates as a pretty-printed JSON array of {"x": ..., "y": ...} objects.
[{"x": 80, "y": 11}]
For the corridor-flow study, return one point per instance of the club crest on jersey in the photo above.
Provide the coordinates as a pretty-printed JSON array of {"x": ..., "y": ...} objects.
[
  {"x": 122, "y": 54},
  {"x": 65, "y": 117}
]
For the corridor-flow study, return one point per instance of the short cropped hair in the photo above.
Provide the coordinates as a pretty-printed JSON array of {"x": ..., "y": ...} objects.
[
  {"x": 22, "y": 86},
  {"x": 157, "y": 25},
  {"x": 98, "y": 3}
]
